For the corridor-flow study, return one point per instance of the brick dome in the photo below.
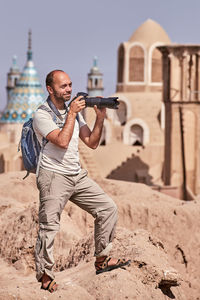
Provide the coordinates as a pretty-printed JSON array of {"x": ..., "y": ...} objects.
[{"x": 148, "y": 33}]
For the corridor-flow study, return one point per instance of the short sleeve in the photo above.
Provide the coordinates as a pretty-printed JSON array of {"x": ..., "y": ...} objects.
[
  {"x": 81, "y": 120},
  {"x": 43, "y": 123}
]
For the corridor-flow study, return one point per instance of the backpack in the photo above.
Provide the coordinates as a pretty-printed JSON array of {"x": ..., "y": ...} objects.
[{"x": 30, "y": 146}]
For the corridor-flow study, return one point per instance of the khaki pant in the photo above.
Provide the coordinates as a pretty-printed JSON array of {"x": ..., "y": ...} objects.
[{"x": 55, "y": 190}]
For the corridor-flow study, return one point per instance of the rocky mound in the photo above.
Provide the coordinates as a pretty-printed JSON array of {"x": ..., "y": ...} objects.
[{"x": 157, "y": 232}]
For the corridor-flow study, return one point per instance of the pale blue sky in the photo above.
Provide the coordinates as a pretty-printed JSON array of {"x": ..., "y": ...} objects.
[{"x": 68, "y": 34}]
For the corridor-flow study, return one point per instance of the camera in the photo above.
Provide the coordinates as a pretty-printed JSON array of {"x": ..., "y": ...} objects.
[{"x": 110, "y": 102}]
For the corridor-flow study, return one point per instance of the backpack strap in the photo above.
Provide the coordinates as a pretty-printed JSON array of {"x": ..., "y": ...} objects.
[
  {"x": 44, "y": 107},
  {"x": 44, "y": 141},
  {"x": 55, "y": 110}
]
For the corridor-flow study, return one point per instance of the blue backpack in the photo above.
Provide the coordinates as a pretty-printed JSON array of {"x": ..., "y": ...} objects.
[{"x": 30, "y": 146}]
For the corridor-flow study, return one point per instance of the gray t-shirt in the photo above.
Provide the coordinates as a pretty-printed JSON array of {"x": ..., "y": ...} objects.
[{"x": 55, "y": 158}]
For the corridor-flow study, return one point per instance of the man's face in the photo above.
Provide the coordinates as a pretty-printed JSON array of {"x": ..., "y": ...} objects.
[{"x": 61, "y": 87}]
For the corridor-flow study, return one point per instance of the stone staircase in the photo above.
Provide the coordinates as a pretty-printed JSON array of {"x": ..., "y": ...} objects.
[
  {"x": 88, "y": 161},
  {"x": 138, "y": 166}
]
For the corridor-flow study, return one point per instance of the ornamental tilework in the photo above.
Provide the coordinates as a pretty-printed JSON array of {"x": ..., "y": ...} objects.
[{"x": 26, "y": 96}]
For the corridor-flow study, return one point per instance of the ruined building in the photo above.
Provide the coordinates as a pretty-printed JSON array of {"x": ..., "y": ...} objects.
[
  {"x": 181, "y": 96},
  {"x": 134, "y": 134}
]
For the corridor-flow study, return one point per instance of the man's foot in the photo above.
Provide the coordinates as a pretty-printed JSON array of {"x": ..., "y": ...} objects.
[
  {"x": 107, "y": 263},
  {"x": 48, "y": 284}
]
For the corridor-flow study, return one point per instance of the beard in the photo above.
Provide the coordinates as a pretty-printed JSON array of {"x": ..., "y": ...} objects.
[{"x": 61, "y": 97}]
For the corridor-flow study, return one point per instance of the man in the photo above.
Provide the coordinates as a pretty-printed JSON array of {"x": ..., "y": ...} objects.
[{"x": 61, "y": 178}]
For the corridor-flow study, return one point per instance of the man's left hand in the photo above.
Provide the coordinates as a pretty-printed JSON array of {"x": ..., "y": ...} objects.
[{"x": 100, "y": 112}]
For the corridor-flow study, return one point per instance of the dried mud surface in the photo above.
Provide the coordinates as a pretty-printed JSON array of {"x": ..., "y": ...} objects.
[{"x": 158, "y": 233}]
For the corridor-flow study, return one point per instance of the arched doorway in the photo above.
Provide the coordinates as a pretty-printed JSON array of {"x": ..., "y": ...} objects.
[
  {"x": 136, "y": 132},
  {"x": 136, "y": 135},
  {"x": 122, "y": 112}
]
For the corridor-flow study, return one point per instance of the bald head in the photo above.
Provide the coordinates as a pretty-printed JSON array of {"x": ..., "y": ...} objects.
[
  {"x": 50, "y": 77},
  {"x": 59, "y": 86}
]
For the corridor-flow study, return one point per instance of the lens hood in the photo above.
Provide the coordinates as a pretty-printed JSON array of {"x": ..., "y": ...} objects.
[{"x": 100, "y": 102}]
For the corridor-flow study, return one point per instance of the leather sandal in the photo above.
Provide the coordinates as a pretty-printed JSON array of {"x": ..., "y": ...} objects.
[
  {"x": 51, "y": 287},
  {"x": 103, "y": 266}
]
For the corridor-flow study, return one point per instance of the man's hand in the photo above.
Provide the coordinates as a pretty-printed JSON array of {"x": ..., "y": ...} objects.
[
  {"x": 77, "y": 105},
  {"x": 100, "y": 112}
]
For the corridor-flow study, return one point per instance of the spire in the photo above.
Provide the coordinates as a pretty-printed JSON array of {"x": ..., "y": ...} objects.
[
  {"x": 14, "y": 66},
  {"x": 95, "y": 62},
  {"x": 95, "y": 80},
  {"x": 29, "y": 52},
  {"x": 95, "y": 68}
]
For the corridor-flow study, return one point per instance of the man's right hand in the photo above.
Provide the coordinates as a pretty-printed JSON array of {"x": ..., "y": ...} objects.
[
  {"x": 77, "y": 104},
  {"x": 62, "y": 137}
]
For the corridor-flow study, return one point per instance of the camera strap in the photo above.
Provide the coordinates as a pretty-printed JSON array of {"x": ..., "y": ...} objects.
[
  {"x": 54, "y": 108},
  {"x": 56, "y": 112}
]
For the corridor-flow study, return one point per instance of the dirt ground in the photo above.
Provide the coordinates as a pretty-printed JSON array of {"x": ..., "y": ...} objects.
[{"x": 158, "y": 233}]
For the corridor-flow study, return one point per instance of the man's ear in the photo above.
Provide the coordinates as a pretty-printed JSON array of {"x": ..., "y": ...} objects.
[{"x": 49, "y": 89}]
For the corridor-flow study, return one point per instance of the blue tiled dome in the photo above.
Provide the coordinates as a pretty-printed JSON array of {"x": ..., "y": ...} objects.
[{"x": 27, "y": 94}]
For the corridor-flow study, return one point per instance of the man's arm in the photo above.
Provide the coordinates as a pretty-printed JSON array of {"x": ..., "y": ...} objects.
[
  {"x": 62, "y": 137},
  {"x": 92, "y": 138}
]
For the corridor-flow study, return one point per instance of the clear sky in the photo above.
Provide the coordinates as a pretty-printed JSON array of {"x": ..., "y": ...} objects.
[{"x": 68, "y": 34}]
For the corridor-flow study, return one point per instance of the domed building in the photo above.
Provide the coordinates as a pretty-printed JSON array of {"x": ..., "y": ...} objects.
[
  {"x": 24, "y": 97},
  {"x": 25, "y": 94},
  {"x": 139, "y": 61},
  {"x": 135, "y": 132}
]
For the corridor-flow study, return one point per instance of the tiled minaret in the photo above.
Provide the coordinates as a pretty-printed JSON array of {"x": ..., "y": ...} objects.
[{"x": 27, "y": 94}]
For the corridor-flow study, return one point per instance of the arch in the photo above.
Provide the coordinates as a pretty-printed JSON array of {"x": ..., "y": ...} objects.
[
  {"x": 139, "y": 133},
  {"x": 136, "y": 64},
  {"x": 136, "y": 135},
  {"x": 155, "y": 65},
  {"x": 121, "y": 58},
  {"x": 90, "y": 83},
  {"x": 122, "y": 112},
  {"x": 125, "y": 113}
]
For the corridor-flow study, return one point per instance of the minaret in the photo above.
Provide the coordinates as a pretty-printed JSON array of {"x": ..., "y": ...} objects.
[
  {"x": 95, "y": 81},
  {"x": 26, "y": 96},
  {"x": 12, "y": 77}
]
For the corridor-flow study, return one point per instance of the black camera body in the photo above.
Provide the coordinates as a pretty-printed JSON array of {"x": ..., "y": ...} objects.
[{"x": 110, "y": 102}]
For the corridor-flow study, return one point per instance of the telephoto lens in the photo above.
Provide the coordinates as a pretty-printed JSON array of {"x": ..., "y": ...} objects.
[{"x": 110, "y": 102}]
